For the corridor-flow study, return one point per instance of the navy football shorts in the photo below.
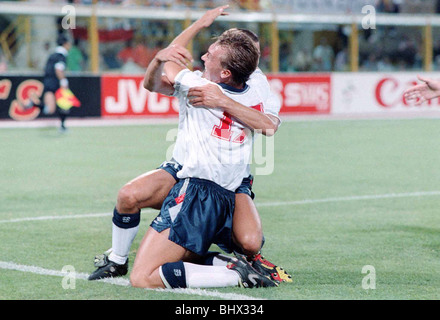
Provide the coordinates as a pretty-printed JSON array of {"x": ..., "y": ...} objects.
[
  {"x": 51, "y": 85},
  {"x": 172, "y": 167},
  {"x": 246, "y": 187},
  {"x": 198, "y": 213}
]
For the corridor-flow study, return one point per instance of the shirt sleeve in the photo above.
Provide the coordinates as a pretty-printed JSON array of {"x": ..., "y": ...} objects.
[
  {"x": 60, "y": 66},
  {"x": 187, "y": 79},
  {"x": 271, "y": 102}
]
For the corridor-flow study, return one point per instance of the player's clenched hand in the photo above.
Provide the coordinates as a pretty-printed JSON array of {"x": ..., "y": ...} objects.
[
  {"x": 208, "y": 18},
  {"x": 175, "y": 53},
  {"x": 209, "y": 95},
  {"x": 427, "y": 90}
]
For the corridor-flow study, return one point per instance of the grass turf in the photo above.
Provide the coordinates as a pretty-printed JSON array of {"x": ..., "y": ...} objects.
[{"x": 324, "y": 245}]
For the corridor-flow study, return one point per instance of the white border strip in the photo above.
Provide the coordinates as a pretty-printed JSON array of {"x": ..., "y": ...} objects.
[{"x": 121, "y": 282}]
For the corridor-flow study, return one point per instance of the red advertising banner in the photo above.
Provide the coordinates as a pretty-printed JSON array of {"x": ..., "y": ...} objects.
[
  {"x": 125, "y": 96},
  {"x": 303, "y": 93}
]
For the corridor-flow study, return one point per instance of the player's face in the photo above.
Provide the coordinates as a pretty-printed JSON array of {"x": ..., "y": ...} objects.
[{"x": 212, "y": 59}]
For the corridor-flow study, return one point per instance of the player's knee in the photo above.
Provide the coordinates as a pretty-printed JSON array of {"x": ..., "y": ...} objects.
[
  {"x": 126, "y": 199},
  {"x": 136, "y": 281},
  {"x": 251, "y": 243},
  {"x": 140, "y": 280}
]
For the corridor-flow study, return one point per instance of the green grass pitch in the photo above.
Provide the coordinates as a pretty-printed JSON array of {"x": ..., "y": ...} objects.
[{"x": 343, "y": 195}]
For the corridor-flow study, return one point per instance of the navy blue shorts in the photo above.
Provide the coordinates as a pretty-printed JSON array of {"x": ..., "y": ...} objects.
[
  {"x": 198, "y": 213},
  {"x": 246, "y": 187},
  {"x": 51, "y": 85},
  {"x": 172, "y": 167}
]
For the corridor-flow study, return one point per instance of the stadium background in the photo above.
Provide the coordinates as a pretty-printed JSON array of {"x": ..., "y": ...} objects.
[
  {"x": 317, "y": 54},
  {"x": 328, "y": 174}
]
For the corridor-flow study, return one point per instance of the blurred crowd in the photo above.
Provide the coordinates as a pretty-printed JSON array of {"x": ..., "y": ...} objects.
[
  {"x": 175, "y": 4},
  {"x": 389, "y": 6},
  {"x": 128, "y": 45}
]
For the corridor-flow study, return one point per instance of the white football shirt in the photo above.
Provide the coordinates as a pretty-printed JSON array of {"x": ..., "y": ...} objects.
[
  {"x": 271, "y": 102},
  {"x": 210, "y": 144}
]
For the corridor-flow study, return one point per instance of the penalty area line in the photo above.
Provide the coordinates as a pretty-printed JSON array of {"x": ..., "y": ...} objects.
[{"x": 120, "y": 282}]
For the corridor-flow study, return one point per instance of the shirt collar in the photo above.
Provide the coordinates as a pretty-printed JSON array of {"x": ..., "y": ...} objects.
[
  {"x": 62, "y": 50},
  {"x": 233, "y": 89}
]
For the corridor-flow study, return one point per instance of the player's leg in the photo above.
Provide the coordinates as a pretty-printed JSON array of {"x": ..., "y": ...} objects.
[
  {"x": 163, "y": 259},
  {"x": 49, "y": 101},
  {"x": 161, "y": 263},
  {"x": 154, "y": 251},
  {"x": 160, "y": 258},
  {"x": 246, "y": 225},
  {"x": 248, "y": 235},
  {"x": 62, "y": 115},
  {"x": 146, "y": 191}
]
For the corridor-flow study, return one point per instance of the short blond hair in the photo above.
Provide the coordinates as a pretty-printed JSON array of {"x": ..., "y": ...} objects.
[{"x": 242, "y": 55}]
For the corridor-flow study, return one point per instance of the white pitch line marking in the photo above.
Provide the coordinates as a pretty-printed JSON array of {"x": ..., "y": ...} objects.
[
  {"x": 64, "y": 217},
  {"x": 121, "y": 282},
  {"x": 352, "y": 198},
  {"x": 74, "y": 216},
  {"x": 262, "y": 204}
]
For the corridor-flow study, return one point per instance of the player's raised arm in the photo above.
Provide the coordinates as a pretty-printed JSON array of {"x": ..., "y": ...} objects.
[
  {"x": 160, "y": 75},
  {"x": 205, "y": 21},
  {"x": 427, "y": 90},
  {"x": 172, "y": 68},
  {"x": 170, "y": 61}
]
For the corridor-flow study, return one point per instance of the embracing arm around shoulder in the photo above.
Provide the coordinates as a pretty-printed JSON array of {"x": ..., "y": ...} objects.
[
  {"x": 211, "y": 96},
  {"x": 252, "y": 118}
]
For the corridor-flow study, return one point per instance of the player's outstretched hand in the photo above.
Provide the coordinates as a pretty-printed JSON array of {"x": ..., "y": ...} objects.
[
  {"x": 175, "y": 53},
  {"x": 209, "y": 96},
  {"x": 427, "y": 90},
  {"x": 208, "y": 18}
]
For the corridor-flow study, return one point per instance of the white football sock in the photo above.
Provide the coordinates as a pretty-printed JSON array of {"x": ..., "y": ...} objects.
[
  {"x": 199, "y": 276},
  {"x": 122, "y": 240},
  {"x": 221, "y": 260}
]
